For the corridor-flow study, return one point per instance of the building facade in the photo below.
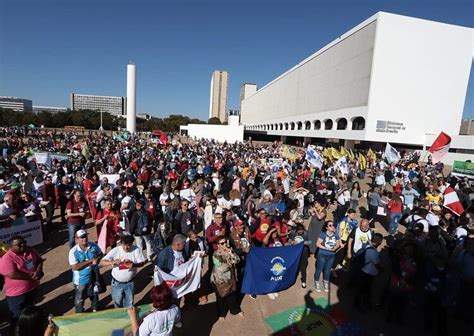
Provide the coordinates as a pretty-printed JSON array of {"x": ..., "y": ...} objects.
[
  {"x": 390, "y": 79},
  {"x": 50, "y": 109},
  {"x": 218, "y": 95},
  {"x": 110, "y": 104},
  {"x": 16, "y": 104}
]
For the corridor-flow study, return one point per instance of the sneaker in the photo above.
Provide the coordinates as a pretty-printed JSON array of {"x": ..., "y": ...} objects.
[
  {"x": 275, "y": 294},
  {"x": 303, "y": 285},
  {"x": 271, "y": 296},
  {"x": 178, "y": 324},
  {"x": 253, "y": 296},
  {"x": 326, "y": 286},
  {"x": 318, "y": 288}
]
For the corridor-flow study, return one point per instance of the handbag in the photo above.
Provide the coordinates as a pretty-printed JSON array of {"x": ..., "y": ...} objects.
[{"x": 96, "y": 283}]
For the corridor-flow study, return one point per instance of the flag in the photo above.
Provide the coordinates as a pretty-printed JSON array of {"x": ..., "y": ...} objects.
[
  {"x": 313, "y": 157},
  {"x": 184, "y": 279},
  {"x": 85, "y": 151},
  {"x": 335, "y": 154},
  {"x": 289, "y": 152},
  {"x": 271, "y": 269},
  {"x": 362, "y": 161},
  {"x": 345, "y": 152},
  {"x": 351, "y": 155},
  {"x": 371, "y": 155},
  {"x": 327, "y": 153},
  {"x": 102, "y": 240},
  {"x": 391, "y": 154},
  {"x": 440, "y": 147},
  {"x": 342, "y": 165},
  {"x": 451, "y": 201}
]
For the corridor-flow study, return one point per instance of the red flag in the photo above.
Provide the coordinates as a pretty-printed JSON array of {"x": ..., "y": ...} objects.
[
  {"x": 164, "y": 138},
  {"x": 451, "y": 201},
  {"x": 440, "y": 147}
]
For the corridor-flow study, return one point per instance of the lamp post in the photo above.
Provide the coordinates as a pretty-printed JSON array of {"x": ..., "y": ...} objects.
[{"x": 101, "y": 128}]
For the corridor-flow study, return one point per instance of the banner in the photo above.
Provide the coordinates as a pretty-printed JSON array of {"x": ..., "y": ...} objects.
[
  {"x": 289, "y": 152},
  {"x": 440, "y": 147},
  {"x": 109, "y": 322},
  {"x": 183, "y": 280},
  {"x": 462, "y": 167},
  {"x": 112, "y": 178},
  {"x": 271, "y": 269},
  {"x": 30, "y": 230},
  {"x": 313, "y": 157}
]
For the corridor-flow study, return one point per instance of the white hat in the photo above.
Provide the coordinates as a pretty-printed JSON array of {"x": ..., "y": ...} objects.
[
  {"x": 81, "y": 233},
  {"x": 236, "y": 202}
]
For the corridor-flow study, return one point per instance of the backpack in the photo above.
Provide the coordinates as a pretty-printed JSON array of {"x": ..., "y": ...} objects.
[{"x": 143, "y": 225}]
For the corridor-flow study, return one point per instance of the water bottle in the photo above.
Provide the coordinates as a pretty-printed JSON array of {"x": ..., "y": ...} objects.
[{"x": 96, "y": 289}]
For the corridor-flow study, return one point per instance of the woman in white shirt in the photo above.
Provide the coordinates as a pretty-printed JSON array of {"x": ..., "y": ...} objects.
[{"x": 162, "y": 319}]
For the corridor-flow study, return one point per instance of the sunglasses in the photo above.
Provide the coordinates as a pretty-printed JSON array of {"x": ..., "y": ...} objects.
[
  {"x": 223, "y": 243},
  {"x": 330, "y": 225}
]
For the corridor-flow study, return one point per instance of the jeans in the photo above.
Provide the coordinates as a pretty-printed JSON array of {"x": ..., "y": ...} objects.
[
  {"x": 354, "y": 204},
  {"x": 324, "y": 264},
  {"x": 80, "y": 294},
  {"x": 394, "y": 219},
  {"x": 17, "y": 303},
  {"x": 139, "y": 242},
  {"x": 72, "y": 229},
  {"x": 122, "y": 293}
]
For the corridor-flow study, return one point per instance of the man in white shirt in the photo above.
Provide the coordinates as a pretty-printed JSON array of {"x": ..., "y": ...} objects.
[
  {"x": 380, "y": 180},
  {"x": 124, "y": 259}
]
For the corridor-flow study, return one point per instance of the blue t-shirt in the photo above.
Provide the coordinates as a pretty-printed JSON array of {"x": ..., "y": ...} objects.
[
  {"x": 76, "y": 256},
  {"x": 328, "y": 241}
]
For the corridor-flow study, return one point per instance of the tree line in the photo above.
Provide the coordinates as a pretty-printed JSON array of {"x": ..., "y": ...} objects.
[{"x": 90, "y": 119}]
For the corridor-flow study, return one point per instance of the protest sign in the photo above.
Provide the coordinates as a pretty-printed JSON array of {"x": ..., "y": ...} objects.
[{"x": 28, "y": 229}]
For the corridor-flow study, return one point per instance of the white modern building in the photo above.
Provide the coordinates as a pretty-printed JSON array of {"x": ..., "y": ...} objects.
[
  {"x": 111, "y": 104},
  {"x": 50, "y": 109},
  {"x": 391, "y": 79},
  {"x": 16, "y": 104}
]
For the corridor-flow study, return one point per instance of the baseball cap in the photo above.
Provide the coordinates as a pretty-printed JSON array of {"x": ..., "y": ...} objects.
[{"x": 81, "y": 233}]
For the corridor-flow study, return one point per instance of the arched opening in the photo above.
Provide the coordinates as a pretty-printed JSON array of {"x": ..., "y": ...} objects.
[
  {"x": 307, "y": 125},
  {"x": 292, "y": 125},
  {"x": 342, "y": 124},
  {"x": 358, "y": 124},
  {"x": 286, "y": 126},
  {"x": 317, "y": 124},
  {"x": 300, "y": 125},
  {"x": 328, "y": 124},
  {"x": 281, "y": 127}
]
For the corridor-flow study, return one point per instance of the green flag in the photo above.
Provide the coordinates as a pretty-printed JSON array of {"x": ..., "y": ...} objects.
[{"x": 85, "y": 151}]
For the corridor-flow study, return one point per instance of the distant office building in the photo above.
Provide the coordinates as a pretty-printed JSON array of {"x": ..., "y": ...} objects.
[
  {"x": 16, "y": 104},
  {"x": 246, "y": 90},
  {"x": 218, "y": 99},
  {"x": 111, "y": 104},
  {"x": 50, "y": 109},
  {"x": 467, "y": 127}
]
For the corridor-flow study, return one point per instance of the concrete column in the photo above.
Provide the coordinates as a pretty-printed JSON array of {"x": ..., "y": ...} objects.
[
  {"x": 283, "y": 138},
  {"x": 349, "y": 144},
  {"x": 131, "y": 97},
  {"x": 307, "y": 140}
]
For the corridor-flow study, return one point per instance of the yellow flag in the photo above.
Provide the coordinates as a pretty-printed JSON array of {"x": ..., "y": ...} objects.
[
  {"x": 351, "y": 155},
  {"x": 327, "y": 153},
  {"x": 362, "y": 161},
  {"x": 335, "y": 154},
  {"x": 289, "y": 152},
  {"x": 345, "y": 152},
  {"x": 371, "y": 154}
]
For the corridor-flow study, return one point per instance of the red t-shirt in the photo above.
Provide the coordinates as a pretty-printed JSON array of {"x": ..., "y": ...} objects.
[
  {"x": 395, "y": 207},
  {"x": 26, "y": 263},
  {"x": 262, "y": 230},
  {"x": 76, "y": 207}
]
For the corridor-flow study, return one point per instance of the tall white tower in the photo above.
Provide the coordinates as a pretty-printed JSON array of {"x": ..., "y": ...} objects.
[{"x": 131, "y": 97}]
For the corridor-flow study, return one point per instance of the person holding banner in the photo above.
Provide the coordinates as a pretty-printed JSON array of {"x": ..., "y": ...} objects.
[
  {"x": 224, "y": 279},
  {"x": 328, "y": 243}
]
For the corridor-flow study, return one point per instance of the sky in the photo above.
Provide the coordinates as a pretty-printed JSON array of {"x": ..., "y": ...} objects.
[{"x": 49, "y": 49}]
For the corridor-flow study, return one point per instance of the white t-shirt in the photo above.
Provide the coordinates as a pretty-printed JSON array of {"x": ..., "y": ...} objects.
[
  {"x": 178, "y": 259},
  {"x": 160, "y": 323},
  {"x": 135, "y": 255}
]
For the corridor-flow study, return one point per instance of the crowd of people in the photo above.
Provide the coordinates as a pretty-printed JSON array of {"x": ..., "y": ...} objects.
[{"x": 223, "y": 200}]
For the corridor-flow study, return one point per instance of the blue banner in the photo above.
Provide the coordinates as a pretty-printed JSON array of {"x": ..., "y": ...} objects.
[{"x": 271, "y": 269}]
